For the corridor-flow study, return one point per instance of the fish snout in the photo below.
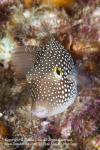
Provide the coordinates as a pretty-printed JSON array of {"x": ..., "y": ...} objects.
[{"x": 40, "y": 111}]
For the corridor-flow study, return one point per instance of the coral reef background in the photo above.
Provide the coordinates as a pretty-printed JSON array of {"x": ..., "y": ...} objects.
[{"x": 76, "y": 24}]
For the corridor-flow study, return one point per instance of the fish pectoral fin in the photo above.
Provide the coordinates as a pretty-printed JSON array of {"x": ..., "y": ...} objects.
[{"x": 22, "y": 60}]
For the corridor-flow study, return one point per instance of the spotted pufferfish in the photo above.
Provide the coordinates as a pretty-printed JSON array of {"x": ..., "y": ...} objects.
[{"x": 52, "y": 80}]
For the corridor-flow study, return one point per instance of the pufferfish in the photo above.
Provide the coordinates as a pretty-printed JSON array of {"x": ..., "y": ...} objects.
[{"x": 52, "y": 80}]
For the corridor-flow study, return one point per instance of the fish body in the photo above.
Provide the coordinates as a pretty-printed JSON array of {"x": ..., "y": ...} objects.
[{"x": 52, "y": 80}]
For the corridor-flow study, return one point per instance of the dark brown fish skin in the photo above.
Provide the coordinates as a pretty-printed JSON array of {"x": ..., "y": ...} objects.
[{"x": 52, "y": 91}]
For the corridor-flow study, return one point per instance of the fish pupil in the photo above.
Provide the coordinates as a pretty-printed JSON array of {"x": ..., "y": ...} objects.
[{"x": 58, "y": 71}]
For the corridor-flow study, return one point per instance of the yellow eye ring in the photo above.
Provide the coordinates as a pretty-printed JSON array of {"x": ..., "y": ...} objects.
[{"x": 58, "y": 72}]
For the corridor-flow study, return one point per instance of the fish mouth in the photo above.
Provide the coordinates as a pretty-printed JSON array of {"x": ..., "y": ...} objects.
[{"x": 40, "y": 112}]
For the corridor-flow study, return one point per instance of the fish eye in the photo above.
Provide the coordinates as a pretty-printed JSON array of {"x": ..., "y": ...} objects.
[{"x": 58, "y": 72}]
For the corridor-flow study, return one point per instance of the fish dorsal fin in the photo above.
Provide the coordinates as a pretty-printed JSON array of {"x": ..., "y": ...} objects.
[{"x": 22, "y": 59}]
